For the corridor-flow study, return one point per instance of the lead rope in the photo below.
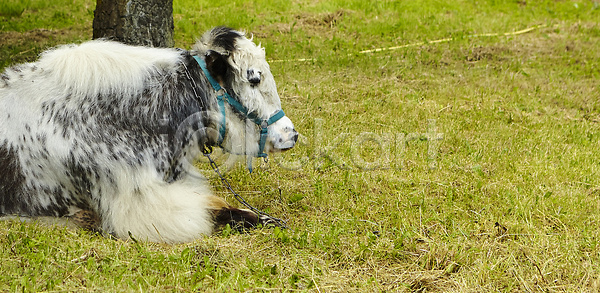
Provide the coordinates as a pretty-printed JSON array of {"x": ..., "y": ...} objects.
[{"x": 262, "y": 215}]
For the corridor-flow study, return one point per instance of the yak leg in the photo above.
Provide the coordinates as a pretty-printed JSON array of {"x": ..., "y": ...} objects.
[{"x": 239, "y": 219}]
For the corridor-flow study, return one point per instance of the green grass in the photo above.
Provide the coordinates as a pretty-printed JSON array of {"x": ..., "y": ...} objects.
[
  {"x": 27, "y": 27},
  {"x": 506, "y": 199}
]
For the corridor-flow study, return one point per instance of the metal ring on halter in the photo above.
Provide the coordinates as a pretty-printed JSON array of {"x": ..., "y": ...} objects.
[{"x": 207, "y": 150}]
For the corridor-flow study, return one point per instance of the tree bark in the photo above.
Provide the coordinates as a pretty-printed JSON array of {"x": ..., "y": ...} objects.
[{"x": 135, "y": 22}]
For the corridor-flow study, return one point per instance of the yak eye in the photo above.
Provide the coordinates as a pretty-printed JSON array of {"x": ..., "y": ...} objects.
[{"x": 253, "y": 76}]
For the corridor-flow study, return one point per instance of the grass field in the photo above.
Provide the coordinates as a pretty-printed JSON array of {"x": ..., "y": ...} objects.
[{"x": 466, "y": 160}]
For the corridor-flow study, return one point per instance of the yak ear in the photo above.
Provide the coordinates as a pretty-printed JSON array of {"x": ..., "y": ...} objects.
[{"x": 216, "y": 64}]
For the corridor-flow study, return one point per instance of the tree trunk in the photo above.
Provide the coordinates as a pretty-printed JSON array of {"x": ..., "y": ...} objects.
[{"x": 135, "y": 22}]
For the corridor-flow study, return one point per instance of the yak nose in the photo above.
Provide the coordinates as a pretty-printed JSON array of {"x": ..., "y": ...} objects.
[{"x": 286, "y": 144}]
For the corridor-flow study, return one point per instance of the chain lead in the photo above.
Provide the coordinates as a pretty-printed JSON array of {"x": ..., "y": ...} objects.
[{"x": 269, "y": 219}]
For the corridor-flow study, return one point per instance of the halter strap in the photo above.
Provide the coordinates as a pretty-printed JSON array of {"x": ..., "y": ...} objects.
[{"x": 223, "y": 96}]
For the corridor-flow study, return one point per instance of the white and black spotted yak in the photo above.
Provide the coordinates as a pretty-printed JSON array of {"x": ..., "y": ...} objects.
[{"x": 107, "y": 128}]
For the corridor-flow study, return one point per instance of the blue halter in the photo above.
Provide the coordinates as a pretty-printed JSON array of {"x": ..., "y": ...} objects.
[{"x": 223, "y": 96}]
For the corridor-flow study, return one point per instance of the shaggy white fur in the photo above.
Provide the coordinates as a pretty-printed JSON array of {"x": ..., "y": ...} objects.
[{"x": 112, "y": 129}]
